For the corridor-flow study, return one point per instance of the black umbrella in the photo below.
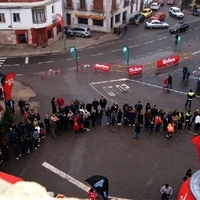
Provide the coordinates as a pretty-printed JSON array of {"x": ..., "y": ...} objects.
[{"x": 100, "y": 184}]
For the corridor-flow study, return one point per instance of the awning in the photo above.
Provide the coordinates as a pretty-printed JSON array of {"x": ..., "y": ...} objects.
[
  {"x": 82, "y": 16},
  {"x": 97, "y": 17}
]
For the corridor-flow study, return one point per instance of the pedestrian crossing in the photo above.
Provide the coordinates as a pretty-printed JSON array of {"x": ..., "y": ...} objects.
[{"x": 2, "y": 60}]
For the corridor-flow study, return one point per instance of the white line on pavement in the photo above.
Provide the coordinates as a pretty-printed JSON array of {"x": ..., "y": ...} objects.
[
  {"x": 72, "y": 180},
  {"x": 3, "y": 58},
  {"x": 139, "y": 82},
  {"x": 26, "y": 60},
  {"x": 162, "y": 38},
  {"x": 149, "y": 42},
  {"x": 11, "y": 65},
  {"x": 115, "y": 50},
  {"x": 194, "y": 53}
]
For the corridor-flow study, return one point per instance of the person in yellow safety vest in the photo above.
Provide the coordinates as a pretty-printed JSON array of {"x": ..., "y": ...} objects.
[
  {"x": 190, "y": 96},
  {"x": 170, "y": 129}
]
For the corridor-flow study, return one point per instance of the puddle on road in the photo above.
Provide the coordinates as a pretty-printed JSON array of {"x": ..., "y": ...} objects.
[{"x": 151, "y": 57}]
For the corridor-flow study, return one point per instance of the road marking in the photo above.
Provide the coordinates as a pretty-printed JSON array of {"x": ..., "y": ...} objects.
[
  {"x": 115, "y": 50},
  {"x": 26, "y": 60},
  {"x": 11, "y": 65},
  {"x": 194, "y": 53},
  {"x": 72, "y": 180},
  {"x": 149, "y": 42},
  {"x": 98, "y": 54},
  {"x": 50, "y": 61},
  {"x": 139, "y": 82},
  {"x": 163, "y": 38}
]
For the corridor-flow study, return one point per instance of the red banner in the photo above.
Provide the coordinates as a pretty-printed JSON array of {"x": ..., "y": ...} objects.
[
  {"x": 103, "y": 67},
  {"x": 184, "y": 192},
  {"x": 60, "y": 19},
  {"x": 168, "y": 61},
  {"x": 8, "y": 85},
  {"x": 135, "y": 70}
]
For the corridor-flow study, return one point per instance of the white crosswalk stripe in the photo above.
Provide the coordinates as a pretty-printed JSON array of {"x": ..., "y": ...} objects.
[{"x": 2, "y": 60}]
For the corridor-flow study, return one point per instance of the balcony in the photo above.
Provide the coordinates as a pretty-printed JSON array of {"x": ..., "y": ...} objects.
[
  {"x": 97, "y": 8},
  {"x": 81, "y": 6},
  {"x": 132, "y": 2},
  {"x": 115, "y": 7},
  {"x": 126, "y": 3},
  {"x": 69, "y": 5}
]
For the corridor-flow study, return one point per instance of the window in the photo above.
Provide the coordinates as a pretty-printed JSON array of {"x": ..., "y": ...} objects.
[
  {"x": 97, "y": 22},
  {"x": 22, "y": 38},
  {"x": 82, "y": 21},
  {"x": 16, "y": 17},
  {"x": 117, "y": 18},
  {"x": 39, "y": 16},
  {"x": 52, "y": 9},
  {"x": 2, "y": 17}
]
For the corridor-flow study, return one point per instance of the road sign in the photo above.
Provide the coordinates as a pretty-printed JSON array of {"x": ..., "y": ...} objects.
[{"x": 125, "y": 51}]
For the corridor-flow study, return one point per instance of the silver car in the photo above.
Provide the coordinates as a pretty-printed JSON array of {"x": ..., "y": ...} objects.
[
  {"x": 156, "y": 24},
  {"x": 82, "y": 31}
]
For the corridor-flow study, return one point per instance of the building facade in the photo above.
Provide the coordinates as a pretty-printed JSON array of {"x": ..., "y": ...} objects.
[
  {"x": 100, "y": 15},
  {"x": 33, "y": 22}
]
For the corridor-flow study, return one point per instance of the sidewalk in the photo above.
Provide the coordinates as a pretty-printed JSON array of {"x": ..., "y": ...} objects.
[{"x": 58, "y": 46}]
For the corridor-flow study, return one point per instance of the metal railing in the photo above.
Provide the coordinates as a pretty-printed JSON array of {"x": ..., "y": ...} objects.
[
  {"x": 97, "y": 8},
  {"x": 81, "y": 6}
]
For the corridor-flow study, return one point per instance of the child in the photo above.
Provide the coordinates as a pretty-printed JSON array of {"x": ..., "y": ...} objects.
[
  {"x": 165, "y": 83},
  {"x": 151, "y": 127}
]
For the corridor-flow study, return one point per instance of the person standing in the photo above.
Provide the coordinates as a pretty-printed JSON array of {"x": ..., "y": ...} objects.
[
  {"x": 21, "y": 103},
  {"x": 169, "y": 82},
  {"x": 194, "y": 116},
  {"x": 36, "y": 135},
  {"x": 47, "y": 123},
  {"x": 197, "y": 122},
  {"x": 95, "y": 104},
  {"x": 190, "y": 96},
  {"x": 188, "y": 116},
  {"x": 60, "y": 101},
  {"x": 103, "y": 103},
  {"x": 166, "y": 191},
  {"x": 54, "y": 105},
  {"x": 11, "y": 105},
  {"x": 170, "y": 129},
  {"x": 138, "y": 129}
]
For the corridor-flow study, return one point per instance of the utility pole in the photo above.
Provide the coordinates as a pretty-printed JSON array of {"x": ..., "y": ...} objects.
[{"x": 64, "y": 23}]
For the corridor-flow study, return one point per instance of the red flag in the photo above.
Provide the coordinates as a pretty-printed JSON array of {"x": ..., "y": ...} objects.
[
  {"x": 196, "y": 142},
  {"x": 60, "y": 19},
  {"x": 10, "y": 178},
  {"x": 8, "y": 85}
]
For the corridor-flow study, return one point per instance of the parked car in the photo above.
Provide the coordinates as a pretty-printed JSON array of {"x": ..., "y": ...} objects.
[
  {"x": 176, "y": 12},
  {"x": 158, "y": 16},
  {"x": 179, "y": 27},
  {"x": 161, "y": 2},
  {"x": 170, "y": 2},
  {"x": 147, "y": 12},
  {"x": 196, "y": 12},
  {"x": 155, "y": 6},
  {"x": 82, "y": 31},
  {"x": 156, "y": 24},
  {"x": 138, "y": 17}
]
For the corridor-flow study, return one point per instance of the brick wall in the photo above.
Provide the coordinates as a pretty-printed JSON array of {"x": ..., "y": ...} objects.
[{"x": 7, "y": 37}]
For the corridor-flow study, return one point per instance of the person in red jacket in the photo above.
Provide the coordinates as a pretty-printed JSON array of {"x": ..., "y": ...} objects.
[
  {"x": 76, "y": 128},
  {"x": 92, "y": 195},
  {"x": 60, "y": 101}
]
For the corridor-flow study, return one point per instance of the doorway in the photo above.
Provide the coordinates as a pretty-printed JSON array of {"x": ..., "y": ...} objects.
[{"x": 68, "y": 16}]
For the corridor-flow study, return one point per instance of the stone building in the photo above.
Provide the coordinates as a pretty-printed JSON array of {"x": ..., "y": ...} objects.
[
  {"x": 30, "y": 22},
  {"x": 100, "y": 15}
]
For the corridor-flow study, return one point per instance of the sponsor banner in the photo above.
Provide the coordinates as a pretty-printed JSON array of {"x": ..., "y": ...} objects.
[
  {"x": 168, "y": 61},
  {"x": 103, "y": 67},
  {"x": 134, "y": 70},
  {"x": 8, "y": 85}
]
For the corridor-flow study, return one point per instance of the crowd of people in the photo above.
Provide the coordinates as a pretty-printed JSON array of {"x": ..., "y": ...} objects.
[{"x": 79, "y": 116}]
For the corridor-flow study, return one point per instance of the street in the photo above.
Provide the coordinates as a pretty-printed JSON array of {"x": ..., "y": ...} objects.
[{"x": 136, "y": 169}]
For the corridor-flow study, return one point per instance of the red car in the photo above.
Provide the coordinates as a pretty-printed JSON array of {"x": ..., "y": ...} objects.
[
  {"x": 158, "y": 16},
  {"x": 161, "y": 2},
  {"x": 170, "y": 2}
]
